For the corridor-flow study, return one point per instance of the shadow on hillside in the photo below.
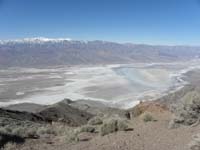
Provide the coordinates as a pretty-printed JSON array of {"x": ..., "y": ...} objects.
[{"x": 6, "y": 138}]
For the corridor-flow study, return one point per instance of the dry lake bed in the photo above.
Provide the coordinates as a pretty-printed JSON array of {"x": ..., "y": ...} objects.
[{"x": 121, "y": 85}]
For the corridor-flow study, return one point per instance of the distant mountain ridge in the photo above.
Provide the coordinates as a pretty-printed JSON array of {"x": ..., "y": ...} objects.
[{"x": 35, "y": 52}]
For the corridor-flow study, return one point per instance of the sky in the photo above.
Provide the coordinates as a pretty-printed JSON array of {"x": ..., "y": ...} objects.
[{"x": 161, "y": 22}]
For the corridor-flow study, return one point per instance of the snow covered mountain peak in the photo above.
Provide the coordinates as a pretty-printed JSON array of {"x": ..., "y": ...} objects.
[{"x": 35, "y": 40}]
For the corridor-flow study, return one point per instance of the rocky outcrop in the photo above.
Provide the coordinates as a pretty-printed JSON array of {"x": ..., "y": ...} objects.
[
  {"x": 20, "y": 116},
  {"x": 187, "y": 112},
  {"x": 63, "y": 112},
  {"x": 148, "y": 106}
]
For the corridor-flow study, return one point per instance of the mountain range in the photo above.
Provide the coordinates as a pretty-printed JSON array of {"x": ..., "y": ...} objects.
[{"x": 35, "y": 52}]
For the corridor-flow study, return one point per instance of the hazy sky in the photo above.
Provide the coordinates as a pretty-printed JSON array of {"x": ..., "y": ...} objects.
[{"x": 136, "y": 21}]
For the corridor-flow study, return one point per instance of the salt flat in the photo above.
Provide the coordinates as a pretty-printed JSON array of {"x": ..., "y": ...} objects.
[{"x": 122, "y": 85}]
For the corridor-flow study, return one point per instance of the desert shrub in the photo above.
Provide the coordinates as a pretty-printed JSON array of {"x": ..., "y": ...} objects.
[
  {"x": 8, "y": 129},
  {"x": 122, "y": 125},
  {"x": 95, "y": 121},
  {"x": 19, "y": 131},
  {"x": 45, "y": 130},
  {"x": 10, "y": 146},
  {"x": 72, "y": 135},
  {"x": 109, "y": 126},
  {"x": 147, "y": 117},
  {"x": 62, "y": 129},
  {"x": 87, "y": 128},
  {"x": 66, "y": 133},
  {"x": 72, "y": 138},
  {"x": 32, "y": 133},
  {"x": 5, "y": 130},
  {"x": 113, "y": 125}
]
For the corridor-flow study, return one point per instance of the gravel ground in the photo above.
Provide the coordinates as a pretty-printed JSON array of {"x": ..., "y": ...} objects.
[{"x": 145, "y": 136}]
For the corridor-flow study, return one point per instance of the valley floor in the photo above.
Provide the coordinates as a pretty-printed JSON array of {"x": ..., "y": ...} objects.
[{"x": 121, "y": 85}]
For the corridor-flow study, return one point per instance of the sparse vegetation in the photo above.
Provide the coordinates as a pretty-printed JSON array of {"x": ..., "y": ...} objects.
[
  {"x": 32, "y": 133},
  {"x": 109, "y": 126},
  {"x": 10, "y": 146},
  {"x": 147, "y": 117},
  {"x": 71, "y": 136},
  {"x": 46, "y": 130},
  {"x": 122, "y": 125},
  {"x": 24, "y": 132},
  {"x": 113, "y": 125},
  {"x": 187, "y": 112},
  {"x": 19, "y": 131},
  {"x": 87, "y": 128},
  {"x": 95, "y": 121},
  {"x": 5, "y": 130}
]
